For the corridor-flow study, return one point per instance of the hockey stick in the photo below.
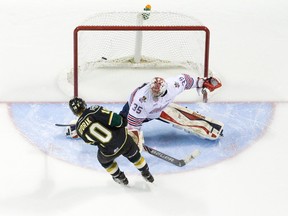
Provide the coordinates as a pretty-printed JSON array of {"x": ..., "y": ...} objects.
[
  {"x": 161, "y": 155},
  {"x": 177, "y": 162}
]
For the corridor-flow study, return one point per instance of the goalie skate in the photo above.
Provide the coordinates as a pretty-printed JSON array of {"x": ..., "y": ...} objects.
[{"x": 192, "y": 122}]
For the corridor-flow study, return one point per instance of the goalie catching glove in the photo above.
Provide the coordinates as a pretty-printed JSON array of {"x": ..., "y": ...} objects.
[{"x": 210, "y": 83}]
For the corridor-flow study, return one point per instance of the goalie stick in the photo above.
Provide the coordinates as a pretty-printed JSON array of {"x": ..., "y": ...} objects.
[
  {"x": 177, "y": 162},
  {"x": 161, "y": 155}
]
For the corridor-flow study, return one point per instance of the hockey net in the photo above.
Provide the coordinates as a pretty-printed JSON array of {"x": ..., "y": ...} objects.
[{"x": 139, "y": 40}]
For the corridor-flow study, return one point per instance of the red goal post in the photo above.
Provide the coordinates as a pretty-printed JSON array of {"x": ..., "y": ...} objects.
[{"x": 118, "y": 29}]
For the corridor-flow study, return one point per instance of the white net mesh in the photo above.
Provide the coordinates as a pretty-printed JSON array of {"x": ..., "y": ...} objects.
[
  {"x": 155, "y": 49},
  {"x": 124, "y": 49}
]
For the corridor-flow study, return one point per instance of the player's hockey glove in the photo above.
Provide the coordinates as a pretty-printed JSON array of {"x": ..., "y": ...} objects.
[{"x": 71, "y": 130}]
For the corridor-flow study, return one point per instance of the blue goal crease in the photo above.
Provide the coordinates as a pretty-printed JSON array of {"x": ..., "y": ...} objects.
[{"x": 244, "y": 123}]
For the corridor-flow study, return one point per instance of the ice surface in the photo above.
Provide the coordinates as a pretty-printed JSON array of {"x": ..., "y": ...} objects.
[{"x": 248, "y": 49}]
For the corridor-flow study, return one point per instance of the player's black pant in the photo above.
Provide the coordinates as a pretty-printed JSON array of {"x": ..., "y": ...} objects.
[{"x": 131, "y": 151}]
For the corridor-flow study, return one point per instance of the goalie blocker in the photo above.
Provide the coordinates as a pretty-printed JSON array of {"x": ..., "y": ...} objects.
[{"x": 192, "y": 122}]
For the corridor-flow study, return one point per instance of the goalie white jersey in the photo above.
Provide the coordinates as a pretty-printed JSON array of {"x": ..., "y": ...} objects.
[{"x": 144, "y": 106}]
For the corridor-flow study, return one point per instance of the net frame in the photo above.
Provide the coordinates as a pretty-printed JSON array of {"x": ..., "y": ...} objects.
[{"x": 137, "y": 28}]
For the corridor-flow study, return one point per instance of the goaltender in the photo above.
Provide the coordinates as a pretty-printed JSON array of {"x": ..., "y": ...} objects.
[{"x": 154, "y": 100}]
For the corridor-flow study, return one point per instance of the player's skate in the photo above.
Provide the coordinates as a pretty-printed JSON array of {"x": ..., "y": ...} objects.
[
  {"x": 147, "y": 176},
  {"x": 121, "y": 179}
]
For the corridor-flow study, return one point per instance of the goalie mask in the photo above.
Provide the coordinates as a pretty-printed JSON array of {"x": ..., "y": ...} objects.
[
  {"x": 158, "y": 86},
  {"x": 77, "y": 106}
]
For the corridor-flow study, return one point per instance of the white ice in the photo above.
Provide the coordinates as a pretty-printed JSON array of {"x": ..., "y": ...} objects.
[{"x": 249, "y": 43}]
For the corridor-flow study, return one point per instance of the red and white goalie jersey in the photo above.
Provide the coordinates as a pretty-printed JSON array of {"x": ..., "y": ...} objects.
[{"x": 149, "y": 100}]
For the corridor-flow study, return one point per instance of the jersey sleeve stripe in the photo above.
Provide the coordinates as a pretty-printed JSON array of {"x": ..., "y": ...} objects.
[{"x": 135, "y": 122}]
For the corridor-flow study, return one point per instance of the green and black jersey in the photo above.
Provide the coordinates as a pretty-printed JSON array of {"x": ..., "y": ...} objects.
[{"x": 103, "y": 128}]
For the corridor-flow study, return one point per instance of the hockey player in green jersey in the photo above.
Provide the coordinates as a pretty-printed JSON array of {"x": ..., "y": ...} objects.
[{"x": 106, "y": 129}]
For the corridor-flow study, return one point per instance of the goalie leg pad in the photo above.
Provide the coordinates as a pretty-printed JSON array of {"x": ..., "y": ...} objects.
[{"x": 192, "y": 122}]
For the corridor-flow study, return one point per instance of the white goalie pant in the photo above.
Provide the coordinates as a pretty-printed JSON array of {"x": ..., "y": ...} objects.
[{"x": 192, "y": 122}]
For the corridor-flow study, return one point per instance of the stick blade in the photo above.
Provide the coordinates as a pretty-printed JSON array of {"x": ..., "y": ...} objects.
[{"x": 191, "y": 157}]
